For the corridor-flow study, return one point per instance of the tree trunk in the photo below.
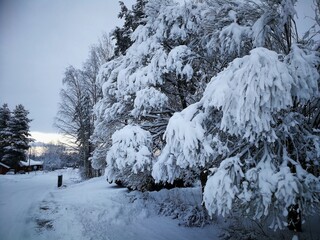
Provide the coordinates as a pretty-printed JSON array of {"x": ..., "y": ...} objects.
[
  {"x": 203, "y": 179},
  {"x": 294, "y": 218}
]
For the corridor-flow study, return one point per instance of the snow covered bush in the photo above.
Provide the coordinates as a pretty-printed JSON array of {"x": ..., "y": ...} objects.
[
  {"x": 130, "y": 158},
  {"x": 181, "y": 204}
]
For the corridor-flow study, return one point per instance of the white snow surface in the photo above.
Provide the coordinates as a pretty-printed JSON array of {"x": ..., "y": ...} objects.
[
  {"x": 30, "y": 162},
  {"x": 32, "y": 207}
]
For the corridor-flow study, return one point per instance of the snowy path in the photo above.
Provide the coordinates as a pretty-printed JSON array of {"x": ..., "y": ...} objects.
[{"x": 19, "y": 195}]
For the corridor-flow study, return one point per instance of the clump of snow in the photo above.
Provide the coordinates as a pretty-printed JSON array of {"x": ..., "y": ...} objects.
[
  {"x": 232, "y": 15},
  {"x": 175, "y": 61},
  {"x": 232, "y": 38},
  {"x": 260, "y": 30},
  {"x": 221, "y": 190},
  {"x": 302, "y": 67},
  {"x": 147, "y": 100},
  {"x": 187, "y": 145}
]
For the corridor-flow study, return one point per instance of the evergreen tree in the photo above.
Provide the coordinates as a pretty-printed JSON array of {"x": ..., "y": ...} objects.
[
  {"x": 233, "y": 89},
  {"x": 19, "y": 137},
  {"x": 253, "y": 127},
  {"x": 5, "y": 116},
  {"x": 132, "y": 19},
  {"x": 160, "y": 73}
]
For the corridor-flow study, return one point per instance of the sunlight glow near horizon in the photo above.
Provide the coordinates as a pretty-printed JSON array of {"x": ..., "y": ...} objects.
[{"x": 48, "y": 137}]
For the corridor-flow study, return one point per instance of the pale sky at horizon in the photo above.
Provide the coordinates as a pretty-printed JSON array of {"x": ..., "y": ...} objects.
[{"x": 40, "y": 38}]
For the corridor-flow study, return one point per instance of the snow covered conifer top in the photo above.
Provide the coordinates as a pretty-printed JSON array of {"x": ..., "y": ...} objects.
[{"x": 249, "y": 91}]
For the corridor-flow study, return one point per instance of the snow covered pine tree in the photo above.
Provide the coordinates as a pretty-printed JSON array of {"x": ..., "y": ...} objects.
[
  {"x": 230, "y": 85},
  {"x": 5, "y": 116},
  {"x": 16, "y": 136},
  {"x": 252, "y": 125}
]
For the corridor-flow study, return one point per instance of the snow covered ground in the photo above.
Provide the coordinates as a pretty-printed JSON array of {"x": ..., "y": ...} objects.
[
  {"x": 19, "y": 201},
  {"x": 32, "y": 207}
]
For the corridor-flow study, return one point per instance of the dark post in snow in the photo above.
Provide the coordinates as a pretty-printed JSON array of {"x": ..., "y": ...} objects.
[{"x": 59, "y": 180}]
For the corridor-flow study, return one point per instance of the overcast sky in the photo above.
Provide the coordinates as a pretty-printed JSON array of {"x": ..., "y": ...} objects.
[{"x": 40, "y": 38}]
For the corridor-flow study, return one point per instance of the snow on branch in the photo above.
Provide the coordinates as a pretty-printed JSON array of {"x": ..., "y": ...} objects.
[
  {"x": 232, "y": 38},
  {"x": 222, "y": 188},
  {"x": 187, "y": 145},
  {"x": 303, "y": 68},
  {"x": 175, "y": 61},
  {"x": 248, "y": 92},
  {"x": 147, "y": 100}
]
